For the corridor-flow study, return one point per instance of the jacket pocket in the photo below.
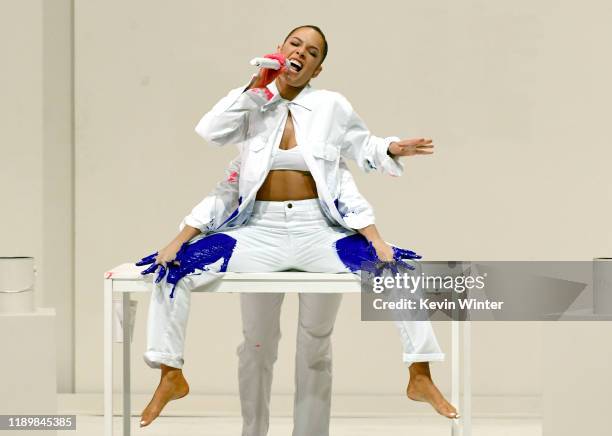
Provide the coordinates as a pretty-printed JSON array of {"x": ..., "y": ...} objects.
[
  {"x": 254, "y": 159},
  {"x": 326, "y": 151},
  {"x": 256, "y": 145},
  {"x": 327, "y": 158}
]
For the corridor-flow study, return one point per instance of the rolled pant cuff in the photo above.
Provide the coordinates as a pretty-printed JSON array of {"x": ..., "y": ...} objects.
[
  {"x": 409, "y": 359},
  {"x": 155, "y": 359}
]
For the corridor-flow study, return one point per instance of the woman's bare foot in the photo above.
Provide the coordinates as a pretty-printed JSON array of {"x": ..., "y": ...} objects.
[
  {"x": 421, "y": 388},
  {"x": 172, "y": 386}
]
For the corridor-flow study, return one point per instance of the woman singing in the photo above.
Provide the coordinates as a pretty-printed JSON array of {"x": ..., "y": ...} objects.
[{"x": 289, "y": 202}]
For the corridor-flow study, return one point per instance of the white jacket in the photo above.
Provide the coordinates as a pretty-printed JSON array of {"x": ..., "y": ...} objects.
[{"x": 326, "y": 127}]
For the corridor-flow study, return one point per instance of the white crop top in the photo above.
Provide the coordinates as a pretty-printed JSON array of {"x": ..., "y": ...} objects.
[{"x": 290, "y": 159}]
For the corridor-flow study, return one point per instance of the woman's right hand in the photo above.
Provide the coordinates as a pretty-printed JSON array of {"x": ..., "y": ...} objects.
[
  {"x": 164, "y": 259},
  {"x": 167, "y": 254},
  {"x": 268, "y": 75}
]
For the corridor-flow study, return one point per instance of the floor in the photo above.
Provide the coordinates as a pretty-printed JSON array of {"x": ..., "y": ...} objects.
[{"x": 230, "y": 426}]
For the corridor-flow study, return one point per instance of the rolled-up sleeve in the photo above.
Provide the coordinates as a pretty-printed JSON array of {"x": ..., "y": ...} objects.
[{"x": 369, "y": 151}]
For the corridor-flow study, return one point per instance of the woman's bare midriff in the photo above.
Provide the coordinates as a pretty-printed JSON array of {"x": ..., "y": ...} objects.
[{"x": 284, "y": 185}]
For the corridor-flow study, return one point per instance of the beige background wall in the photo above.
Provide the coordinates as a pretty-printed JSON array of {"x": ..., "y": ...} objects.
[
  {"x": 36, "y": 156},
  {"x": 518, "y": 163},
  {"x": 514, "y": 94},
  {"x": 21, "y": 130}
]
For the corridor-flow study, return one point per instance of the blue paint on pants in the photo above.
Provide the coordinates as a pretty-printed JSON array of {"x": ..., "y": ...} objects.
[
  {"x": 357, "y": 253},
  {"x": 192, "y": 257}
]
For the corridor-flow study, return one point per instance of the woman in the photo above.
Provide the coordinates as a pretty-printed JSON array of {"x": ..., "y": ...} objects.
[{"x": 295, "y": 208}]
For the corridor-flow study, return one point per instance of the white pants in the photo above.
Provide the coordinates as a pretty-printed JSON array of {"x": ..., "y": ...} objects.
[{"x": 279, "y": 236}]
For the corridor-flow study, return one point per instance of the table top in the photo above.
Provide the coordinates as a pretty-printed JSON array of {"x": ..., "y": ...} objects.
[
  {"x": 129, "y": 271},
  {"x": 127, "y": 278}
]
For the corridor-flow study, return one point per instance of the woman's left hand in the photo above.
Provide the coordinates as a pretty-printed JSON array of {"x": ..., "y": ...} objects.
[
  {"x": 411, "y": 147},
  {"x": 383, "y": 250}
]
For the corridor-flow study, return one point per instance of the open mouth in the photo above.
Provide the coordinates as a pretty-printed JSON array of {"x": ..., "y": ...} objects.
[{"x": 296, "y": 66}]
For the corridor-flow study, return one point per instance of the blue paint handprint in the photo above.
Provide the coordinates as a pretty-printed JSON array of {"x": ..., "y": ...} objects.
[
  {"x": 192, "y": 257},
  {"x": 357, "y": 253}
]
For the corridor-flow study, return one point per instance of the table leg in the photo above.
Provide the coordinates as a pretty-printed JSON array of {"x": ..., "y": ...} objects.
[
  {"x": 456, "y": 426},
  {"x": 108, "y": 357},
  {"x": 127, "y": 322},
  {"x": 467, "y": 378}
]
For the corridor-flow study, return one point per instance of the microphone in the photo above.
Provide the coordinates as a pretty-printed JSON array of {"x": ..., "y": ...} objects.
[{"x": 272, "y": 64}]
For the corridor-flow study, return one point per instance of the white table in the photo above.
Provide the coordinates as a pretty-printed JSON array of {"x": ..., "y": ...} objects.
[{"x": 126, "y": 278}]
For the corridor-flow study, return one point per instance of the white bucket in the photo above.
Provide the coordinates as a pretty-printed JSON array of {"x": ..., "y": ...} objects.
[
  {"x": 118, "y": 320},
  {"x": 16, "y": 284},
  {"x": 602, "y": 285}
]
